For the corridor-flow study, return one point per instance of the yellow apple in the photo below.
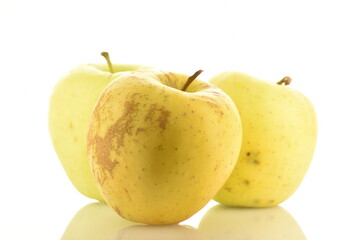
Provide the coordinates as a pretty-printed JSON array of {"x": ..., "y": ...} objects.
[
  {"x": 70, "y": 107},
  {"x": 279, "y": 137},
  {"x": 224, "y": 222},
  {"x": 95, "y": 221},
  {"x": 146, "y": 232},
  {"x": 159, "y": 147}
]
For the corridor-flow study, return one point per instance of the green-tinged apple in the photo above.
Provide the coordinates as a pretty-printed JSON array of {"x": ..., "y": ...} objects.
[
  {"x": 279, "y": 138},
  {"x": 71, "y": 104},
  {"x": 96, "y": 221},
  {"x": 223, "y": 222},
  {"x": 161, "y": 144}
]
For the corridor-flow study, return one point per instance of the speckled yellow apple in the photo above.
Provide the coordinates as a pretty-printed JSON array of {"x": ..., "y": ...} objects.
[
  {"x": 223, "y": 222},
  {"x": 162, "y": 144},
  {"x": 279, "y": 138},
  {"x": 70, "y": 107}
]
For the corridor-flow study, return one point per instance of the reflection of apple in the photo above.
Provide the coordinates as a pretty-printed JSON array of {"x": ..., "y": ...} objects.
[
  {"x": 70, "y": 107},
  {"x": 279, "y": 136},
  {"x": 160, "y": 148},
  {"x": 95, "y": 221},
  {"x": 224, "y": 222},
  {"x": 173, "y": 232}
]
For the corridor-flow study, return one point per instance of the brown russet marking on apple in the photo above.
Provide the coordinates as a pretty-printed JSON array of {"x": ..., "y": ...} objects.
[
  {"x": 216, "y": 107},
  {"x": 139, "y": 130},
  {"x": 103, "y": 158},
  {"x": 171, "y": 80},
  {"x": 118, "y": 131},
  {"x": 123, "y": 125},
  {"x": 71, "y": 125},
  {"x": 162, "y": 120},
  {"x": 228, "y": 189},
  {"x": 246, "y": 182}
]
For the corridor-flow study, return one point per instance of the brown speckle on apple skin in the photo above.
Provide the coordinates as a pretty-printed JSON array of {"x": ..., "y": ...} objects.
[
  {"x": 254, "y": 161},
  {"x": 159, "y": 148},
  {"x": 127, "y": 193},
  {"x": 246, "y": 182},
  {"x": 117, "y": 210},
  {"x": 252, "y": 158},
  {"x": 139, "y": 130}
]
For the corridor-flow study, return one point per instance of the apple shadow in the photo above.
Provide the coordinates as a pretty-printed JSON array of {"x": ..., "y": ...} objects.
[
  {"x": 165, "y": 232},
  {"x": 95, "y": 221},
  {"x": 230, "y": 223}
]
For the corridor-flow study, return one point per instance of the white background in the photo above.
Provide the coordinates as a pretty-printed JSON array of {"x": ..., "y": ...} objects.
[{"x": 316, "y": 42}]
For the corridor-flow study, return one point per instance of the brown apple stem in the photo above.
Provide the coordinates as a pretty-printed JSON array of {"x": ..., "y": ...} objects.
[
  {"x": 191, "y": 79},
  {"x": 107, "y": 57},
  {"x": 286, "y": 80}
]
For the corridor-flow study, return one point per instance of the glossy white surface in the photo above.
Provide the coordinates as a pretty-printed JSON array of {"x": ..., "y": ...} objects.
[{"x": 315, "y": 42}]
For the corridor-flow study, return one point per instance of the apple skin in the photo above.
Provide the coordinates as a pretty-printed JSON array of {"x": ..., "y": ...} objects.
[
  {"x": 279, "y": 138},
  {"x": 223, "y": 222},
  {"x": 159, "y": 154},
  {"x": 71, "y": 103}
]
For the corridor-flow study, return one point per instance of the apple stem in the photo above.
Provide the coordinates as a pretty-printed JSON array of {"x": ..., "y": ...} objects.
[
  {"x": 107, "y": 57},
  {"x": 286, "y": 80},
  {"x": 191, "y": 79}
]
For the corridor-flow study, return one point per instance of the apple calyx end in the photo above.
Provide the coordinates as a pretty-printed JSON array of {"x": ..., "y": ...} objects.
[
  {"x": 107, "y": 58},
  {"x": 191, "y": 79},
  {"x": 286, "y": 80}
]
